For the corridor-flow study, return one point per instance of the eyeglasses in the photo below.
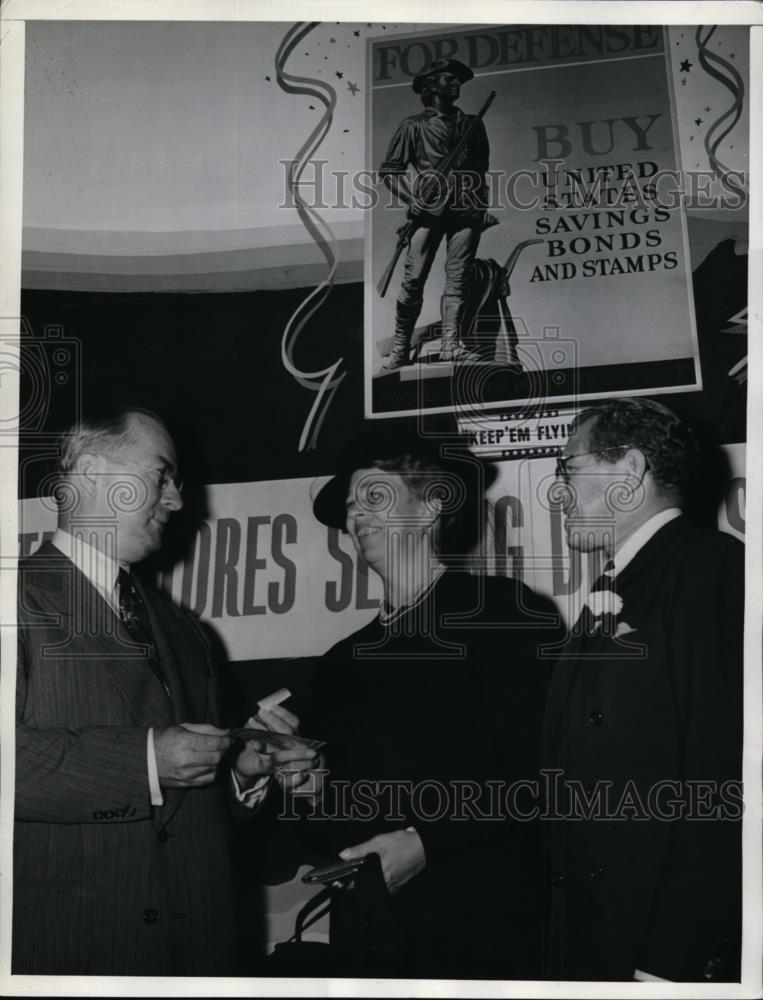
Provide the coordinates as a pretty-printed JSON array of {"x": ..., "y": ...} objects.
[
  {"x": 165, "y": 476},
  {"x": 563, "y": 470}
]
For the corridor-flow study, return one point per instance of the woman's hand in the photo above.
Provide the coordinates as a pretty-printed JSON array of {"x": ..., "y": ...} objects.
[
  {"x": 306, "y": 778},
  {"x": 259, "y": 758},
  {"x": 402, "y": 856}
]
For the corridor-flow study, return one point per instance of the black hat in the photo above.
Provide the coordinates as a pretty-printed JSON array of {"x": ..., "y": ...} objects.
[
  {"x": 460, "y": 70},
  {"x": 385, "y": 443}
]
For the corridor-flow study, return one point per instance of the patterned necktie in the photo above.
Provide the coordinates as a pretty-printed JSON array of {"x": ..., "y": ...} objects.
[
  {"x": 605, "y": 581},
  {"x": 587, "y": 624},
  {"x": 134, "y": 617}
]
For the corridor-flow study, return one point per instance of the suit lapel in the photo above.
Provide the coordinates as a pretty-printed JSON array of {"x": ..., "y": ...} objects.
[
  {"x": 170, "y": 633},
  {"x": 569, "y": 660},
  {"x": 666, "y": 536},
  {"x": 96, "y": 633},
  {"x": 178, "y": 650},
  {"x": 164, "y": 650},
  {"x": 68, "y": 594}
]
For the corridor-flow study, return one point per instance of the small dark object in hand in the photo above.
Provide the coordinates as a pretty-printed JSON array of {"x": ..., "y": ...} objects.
[
  {"x": 281, "y": 741},
  {"x": 333, "y": 872}
]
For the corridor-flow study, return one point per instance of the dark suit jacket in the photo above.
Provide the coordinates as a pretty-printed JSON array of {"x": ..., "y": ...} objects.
[
  {"x": 103, "y": 882},
  {"x": 661, "y": 704}
]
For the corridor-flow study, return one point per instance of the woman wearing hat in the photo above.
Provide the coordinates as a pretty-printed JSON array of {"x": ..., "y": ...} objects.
[{"x": 421, "y": 709}]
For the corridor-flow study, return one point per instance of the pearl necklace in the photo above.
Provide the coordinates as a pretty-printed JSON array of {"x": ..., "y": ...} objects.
[{"x": 418, "y": 597}]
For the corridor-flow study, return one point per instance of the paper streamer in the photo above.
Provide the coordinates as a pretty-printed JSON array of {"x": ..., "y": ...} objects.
[
  {"x": 723, "y": 71},
  {"x": 323, "y": 383}
]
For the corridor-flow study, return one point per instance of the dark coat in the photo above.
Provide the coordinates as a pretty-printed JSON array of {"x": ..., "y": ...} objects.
[
  {"x": 450, "y": 710},
  {"x": 103, "y": 882},
  {"x": 661, "y": 704}
]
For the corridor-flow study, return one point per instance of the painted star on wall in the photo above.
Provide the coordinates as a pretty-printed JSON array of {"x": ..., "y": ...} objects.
[
  {"x": 686, "y": 66},
  {"x": 697, "y": 121},
  {"x": 353, "y": 88}
]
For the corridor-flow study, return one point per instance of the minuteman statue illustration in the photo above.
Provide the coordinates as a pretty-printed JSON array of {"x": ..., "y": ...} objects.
[{"x": 449, "y": 151}]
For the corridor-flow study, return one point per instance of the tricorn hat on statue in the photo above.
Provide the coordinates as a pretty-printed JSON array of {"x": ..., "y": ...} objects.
[{"x": 460, "y": 70}]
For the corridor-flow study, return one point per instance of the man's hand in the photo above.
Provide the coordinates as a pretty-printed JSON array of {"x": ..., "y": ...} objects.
[
  {"x": 402, "y": 856},
  {"x": 291, "y": 767},
  {"x": 187, "y": 755}
]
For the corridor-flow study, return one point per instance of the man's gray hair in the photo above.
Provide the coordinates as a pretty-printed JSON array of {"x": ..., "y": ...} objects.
[{"x": 100, "y": 434}]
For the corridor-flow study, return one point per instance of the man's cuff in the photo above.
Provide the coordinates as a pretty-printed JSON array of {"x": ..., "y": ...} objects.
[
  {"x": 645, "y": 977},
  {"x": 155, "y": 789},
  {"x": 254, "y": 796}
]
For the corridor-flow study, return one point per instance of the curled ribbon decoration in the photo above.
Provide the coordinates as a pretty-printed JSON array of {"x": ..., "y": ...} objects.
[
  {"x": 723, "y": 71},
  {"x": 323, "y": 383}
]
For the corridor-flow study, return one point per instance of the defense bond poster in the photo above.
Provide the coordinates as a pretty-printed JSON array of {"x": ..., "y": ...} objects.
[{"x": 576, "y": 280}]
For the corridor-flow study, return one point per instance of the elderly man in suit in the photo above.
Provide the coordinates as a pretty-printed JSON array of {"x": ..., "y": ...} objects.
[
  {"x": 121, "y": 856},
  {"x": 643, "y": 738}
]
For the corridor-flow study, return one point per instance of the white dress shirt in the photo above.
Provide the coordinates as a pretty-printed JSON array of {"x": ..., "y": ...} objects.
[{"x": 101, "y": 570}]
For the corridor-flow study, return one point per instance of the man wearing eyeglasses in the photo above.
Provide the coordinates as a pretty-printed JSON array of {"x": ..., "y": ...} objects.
[
  {"x": 643, "y": 732},
  {"x": 121, "y": 854}
]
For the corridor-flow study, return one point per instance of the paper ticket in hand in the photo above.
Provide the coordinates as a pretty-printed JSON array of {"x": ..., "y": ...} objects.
[
  {"x": 267, "y": 705},
  {"x": 279, "y": 696},
  {"x": 281, "y": 741}
]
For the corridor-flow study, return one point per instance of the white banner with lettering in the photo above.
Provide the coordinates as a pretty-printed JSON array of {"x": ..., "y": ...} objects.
[{"x": 273, "y": 582}]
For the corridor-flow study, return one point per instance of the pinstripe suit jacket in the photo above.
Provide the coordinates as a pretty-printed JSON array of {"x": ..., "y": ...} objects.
[{"x": 104, "y": 883}]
